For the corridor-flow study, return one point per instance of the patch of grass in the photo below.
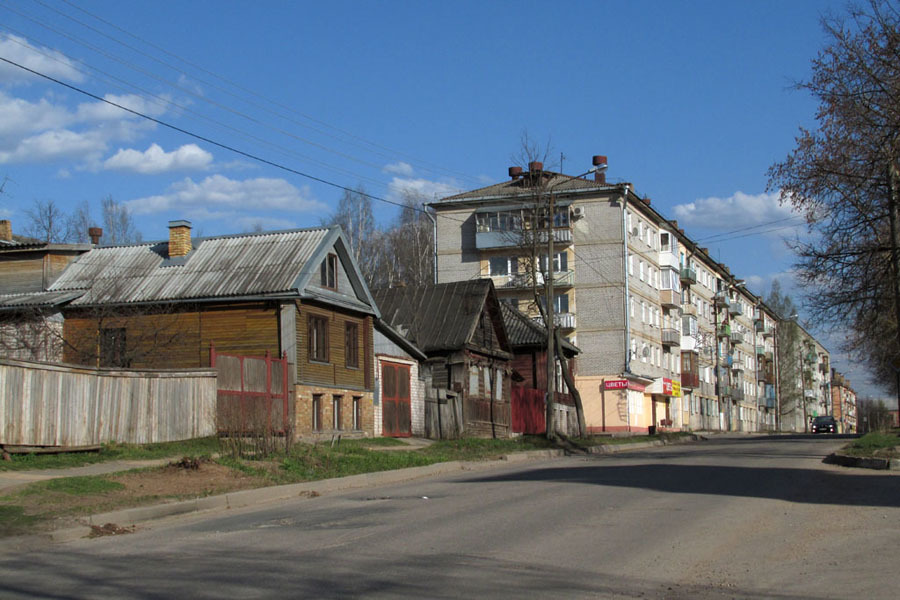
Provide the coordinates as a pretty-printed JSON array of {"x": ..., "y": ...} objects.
[
  {"x": 885, "y": 445},
  {"x": 14, "y": 521},
  {"x": 112, "y": 451},
  {"x": 78, "y": 486}
]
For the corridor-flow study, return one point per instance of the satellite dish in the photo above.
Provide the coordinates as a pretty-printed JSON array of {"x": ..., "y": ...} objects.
[{"x": 646, "y": 351}]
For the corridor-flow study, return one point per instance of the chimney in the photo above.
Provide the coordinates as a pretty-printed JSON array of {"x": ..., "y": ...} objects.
[
  {"x": 535, "y": 166},
  {"x": 95, "y": 233},
  {"x": 599, "y": 161},
  {"x": 515, "y": 172},
  {"x": 674, "y": 224},
  {"x": 6, "y": 230},
  {"x": 646, "y": 200},
  {"x": 179, "y": 238}
]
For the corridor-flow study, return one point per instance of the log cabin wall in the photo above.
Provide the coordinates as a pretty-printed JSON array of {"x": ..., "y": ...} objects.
[{"x": 176, "y": 338}]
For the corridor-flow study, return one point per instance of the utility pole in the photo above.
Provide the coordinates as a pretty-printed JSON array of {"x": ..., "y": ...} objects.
[{"x": 551, "y": 322}]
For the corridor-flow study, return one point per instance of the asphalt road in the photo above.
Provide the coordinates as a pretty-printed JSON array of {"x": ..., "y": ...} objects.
[{"x": 735, "y": 518}]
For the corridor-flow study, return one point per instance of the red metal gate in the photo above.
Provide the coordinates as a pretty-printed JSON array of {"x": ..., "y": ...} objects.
[
  {"x": 253, "y": 395},
  {"x": 396, "y": 409}
]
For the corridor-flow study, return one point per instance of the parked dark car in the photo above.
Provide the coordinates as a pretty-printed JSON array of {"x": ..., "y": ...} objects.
[{"x": 824, "y": 425}]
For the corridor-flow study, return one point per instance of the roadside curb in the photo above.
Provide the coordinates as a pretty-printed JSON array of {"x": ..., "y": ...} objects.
[
  {"x": 862, "y": 462},
  {"x": 132, "y": 517}
]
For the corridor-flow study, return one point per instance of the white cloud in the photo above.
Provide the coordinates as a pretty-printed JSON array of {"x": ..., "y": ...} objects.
[
  {"x": 155, "y": 160},
  {"x": 43, "y": 60},
  {"x": 220, "y": 197},
  {"x": 399, "y": 187},
  {"x": 104, "y": 111},
  {"x": 401, "y": 168},
  {"x": 55, "y": 144},
  {"x": 737, "y": 211},
  {"x": 42, "y": 131}
]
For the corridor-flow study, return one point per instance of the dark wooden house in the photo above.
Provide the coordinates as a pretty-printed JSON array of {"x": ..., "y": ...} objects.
[
  {"x": 459, "y": 327},
  {"x": 296, "y": 294}
]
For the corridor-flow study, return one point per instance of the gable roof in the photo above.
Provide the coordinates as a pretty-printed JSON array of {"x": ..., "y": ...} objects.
[
  {"x": 526, "y": 332},
  {"x": 251, "y": 266},
  {"x": 440, "y": 317}
]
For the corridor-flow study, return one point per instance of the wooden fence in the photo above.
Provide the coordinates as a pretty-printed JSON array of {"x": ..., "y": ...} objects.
[{"x": 44, "y": 404}]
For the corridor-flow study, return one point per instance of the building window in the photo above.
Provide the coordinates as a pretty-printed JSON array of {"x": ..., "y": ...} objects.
[
  {"x": 318, "y": 338},
  {"x": 317, "y": 412},
  {"x": 357, "y": 415},
  {"x": 351, "y": 345},
  {"x": 329, "y": 272},
  {"x": 112, "y": 348},
  {"x": 336, "y": 412}
]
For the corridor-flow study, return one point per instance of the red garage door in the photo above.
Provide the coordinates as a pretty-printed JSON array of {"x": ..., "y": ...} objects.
[{"x": 395, "y": 404}]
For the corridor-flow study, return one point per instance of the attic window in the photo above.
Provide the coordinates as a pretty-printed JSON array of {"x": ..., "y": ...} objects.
[{"x": 329, "y": 272}]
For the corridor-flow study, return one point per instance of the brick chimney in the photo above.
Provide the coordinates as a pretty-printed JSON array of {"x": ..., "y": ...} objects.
[
  {"x": 95, "y": 233},
  {"x": 6, "y": 230},
  {"x": 599, "y": 161},
  {"x": 179, "y": 238}
]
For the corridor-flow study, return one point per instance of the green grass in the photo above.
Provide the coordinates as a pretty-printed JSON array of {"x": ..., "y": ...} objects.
[
  {"x": 113, "y": 451},
  {"x": 75, "y": 486},
  {"x": 14, "y": 521},
  {"x": 875, "y": 444}
]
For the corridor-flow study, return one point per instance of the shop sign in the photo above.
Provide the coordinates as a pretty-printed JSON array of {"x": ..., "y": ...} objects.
[
  {"x": 676, "y": 388},
  {"x": 622, "y": 384}
]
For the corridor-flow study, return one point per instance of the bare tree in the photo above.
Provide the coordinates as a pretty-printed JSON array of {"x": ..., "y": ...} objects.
[
  {"x": 118, "y": 223},
  {"x": 845, "y": 177},
  {"x": 79, "y": 222},
  {"x": 46, "y": 221},
  {"x": 407, "y": 248},
  {"x": 354, "y": 215}
]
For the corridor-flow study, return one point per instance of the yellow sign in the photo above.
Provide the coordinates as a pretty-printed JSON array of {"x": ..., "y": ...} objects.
[{"x": 676, "y": 388}]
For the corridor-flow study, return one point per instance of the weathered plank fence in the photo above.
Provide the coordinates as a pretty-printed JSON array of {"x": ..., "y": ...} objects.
[{"x": 44, "y": 404}]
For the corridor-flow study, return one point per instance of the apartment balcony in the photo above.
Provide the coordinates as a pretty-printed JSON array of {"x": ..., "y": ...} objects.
[
  {"x": 770, "y": 356},
  {"x": 760, "y": 350},
  {"x": 486, "y": 239},
  {"x": 564, "y": 320},
  {"x": 762, "y": 329},
  {"x": 725, "y": 362},
  {"x": 737, "y": 394},
  {"x": 738, "y": 369},
  {"x": 724, "y": 331},
  {"x": 725, "y": 391},
  {"x": 522, "y": 281},
  {"x": 722, "y": 300},
  {"x": 689, "y": 309},
  {"x": 737, "y": 337},
  {"x": 766, "y": 373},
  {"x": 736, "y": 309},
  {"x": 670, "y": 298},
  {"x": 690, "y": 380},
  {"x": 767, "y": 400},
  {"x": 688, "y": 276},
  {"x": 671, "y": 337}
]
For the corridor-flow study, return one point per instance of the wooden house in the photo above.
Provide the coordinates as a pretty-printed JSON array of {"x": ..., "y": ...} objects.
[
  {"x": 295, "y": 294},
  {"x": 30, "y": 321},
  {"x": 460, "y": 329}
]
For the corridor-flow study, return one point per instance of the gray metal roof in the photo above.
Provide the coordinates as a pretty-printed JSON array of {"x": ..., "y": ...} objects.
[
  {"x": 521, "y": 188},
  {"x": 523, "y": 331},
  {"x": 436, "y": 317},
  {"x": 217, "y": 267}
]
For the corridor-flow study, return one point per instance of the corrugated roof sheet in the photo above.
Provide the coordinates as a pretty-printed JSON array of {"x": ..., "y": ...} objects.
[
  {"x": 524, "y": 331},
  {"x": 520, "y": 187},
  {"x": 434, "y": 317},
  {"x": 36, "y": 299},
  {"x": 227, "y": 266}
]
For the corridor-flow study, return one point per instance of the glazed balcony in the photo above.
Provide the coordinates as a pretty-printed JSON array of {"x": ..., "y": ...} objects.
[
  {"x": 724, "y": 331},
  {"x": 737, "y": 394},
  {"x": 688, "y": 276},
  {"x": 722, "y": 300},
  {"x": 736, "y": 337},
  {"x": 760, "y": 350},
  {"x": 736, "y": 309},
  {"x": 522, "y": 281},
  {"x": 690, "y": 380}
]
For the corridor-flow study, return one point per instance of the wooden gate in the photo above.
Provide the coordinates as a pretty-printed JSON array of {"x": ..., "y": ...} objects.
[
  {"x": 252, "y": 393},
  {"x": 527, "y": 410},
  {"x": 396, "y": 409}
]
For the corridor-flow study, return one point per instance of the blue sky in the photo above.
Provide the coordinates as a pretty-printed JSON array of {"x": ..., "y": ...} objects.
[{"x": 691, "y": 102}]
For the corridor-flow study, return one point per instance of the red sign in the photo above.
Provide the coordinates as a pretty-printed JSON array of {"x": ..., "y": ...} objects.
[
  {"x": 667, "y": 386},
  {"x": 622, "y": 384}
]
